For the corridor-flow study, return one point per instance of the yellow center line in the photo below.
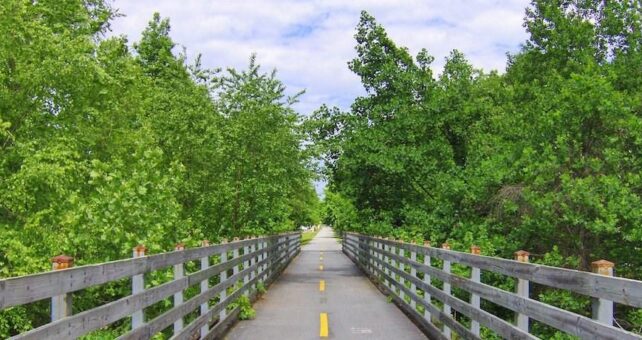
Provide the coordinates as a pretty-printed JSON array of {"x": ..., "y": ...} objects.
[
  {"x": 323, "y": 323},
  {"x": 320, "y": 267},
  {"x": 322, "y": 285}
]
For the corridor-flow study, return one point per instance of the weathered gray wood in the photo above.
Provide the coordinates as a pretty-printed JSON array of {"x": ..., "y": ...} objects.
[
  {"x": 493, "y": 322},
  {"x": 447, "y": 319},
  {"x": 164, "y": 320},
  {"x": 61, "y": 306},
  {"x": 446, "y": 290},
  {"x": 413, "y": 273},
  {"x": 475, "y": 276},
  {"x": 523, "y": 289},
  {"x": 402, "y": 267},
  {"x": 205, "y": 263},
  {"x": 439, "y": 315},
  {"x": 425, "y": 325},
  {"x": 620, "y": 290},
  {"x": 253, "y": 259},
  {"x": 222, "y": 278},
  {"x": 179, "y": 273},
  {"x": 30, "y": 288},
  {"x": 602, "y": 309},
  {"x": 202, "y": 320},
  {"x": 235, "y": 254},
  {"x": 428, "y": 281},
  {"x": 246, "y": 263},
  {"x": 138, "y": 286},
  {"x": 85, "y": 322},
  {"x": 558, "y": 318},
  {"x": 219, "y": 330}
]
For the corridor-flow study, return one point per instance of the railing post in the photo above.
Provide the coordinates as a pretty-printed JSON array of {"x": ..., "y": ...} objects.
[
  {"x": 447, "y": 309},
  {"x": 61, "y": 304},
  {"x": 269, "y": 243},
  {"x": 286, "y": 250},
  {"x": 262, "y": 248},
  {"x": 246, "y": 264},
  {"x": 380, "y": 256},
  {"x": 266, "y": 257},
  {"x": 386, "y": 259},
  {"x": 402, "y": 267},
  {"x": 258, "y": 257},
  {"x": 413, "y": 273},
  {"x": 258, "y": 248},
  {"x": 235, "y": 254},
  {"x": 602, "y": 308},
  {"x": 222, "y": 278},
  {"x": 205, "y": 263},
  {"x": 393, "y": 264},
  {"x": 179, "y": 272},
  {"x": 138, "y": 285},
  {"x": 270, "y": 259},
  {"x": 371, "y": 254},
  {"x": 428, "y": 282},
  {"x": 523, "y": 290},
  {"x": 278, "y": 256},
  {"x": 475, "y": 276},
  {"x": 253, "y": 272},
  {"x": 362, "y": 253}
]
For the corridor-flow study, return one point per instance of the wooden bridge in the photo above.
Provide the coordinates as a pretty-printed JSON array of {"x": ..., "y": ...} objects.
[{"x": 323, "y": 294}]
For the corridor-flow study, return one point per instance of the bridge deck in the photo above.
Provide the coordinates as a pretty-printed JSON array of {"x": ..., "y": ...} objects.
[{"x": 355, "y": 309}]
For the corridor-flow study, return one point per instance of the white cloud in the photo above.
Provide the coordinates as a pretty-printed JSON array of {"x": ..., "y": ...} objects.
[{"x": 310, "y": 42}]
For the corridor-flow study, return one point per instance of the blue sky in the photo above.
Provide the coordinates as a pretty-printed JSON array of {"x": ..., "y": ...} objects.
[{"x": 310, "y": 42}]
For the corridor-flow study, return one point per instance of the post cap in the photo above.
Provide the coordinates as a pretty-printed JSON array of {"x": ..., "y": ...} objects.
[
  {"x": 603, "y": 267},
  {"x": 140, "y": 250},
  {"x": 180, "y": 246},
  {"x": 205, "y": 243},
  {"x": 62, "y": 262},
  {"x": 445, "y": 245},
  {"x": 522, "y": 255},
  {"x": 426, "y": 243},
  {"x": 475, "y": 250},
  {"x": 236, "y": 239},
  {"x": 602, "y": 264}
]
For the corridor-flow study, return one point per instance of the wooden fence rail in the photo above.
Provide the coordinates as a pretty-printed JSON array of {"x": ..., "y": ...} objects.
[
  {"x": 250, "y": 262},
  {"x": 409, "y": 280}
]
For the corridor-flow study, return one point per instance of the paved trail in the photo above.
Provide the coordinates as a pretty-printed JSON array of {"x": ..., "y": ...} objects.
[{"x": 355, "y": 309}]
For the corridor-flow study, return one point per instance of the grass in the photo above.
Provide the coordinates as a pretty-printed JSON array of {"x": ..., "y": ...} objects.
[{"x": 307, "y": 236}]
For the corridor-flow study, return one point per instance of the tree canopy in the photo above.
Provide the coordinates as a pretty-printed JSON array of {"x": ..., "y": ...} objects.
[
  {"x": 105, "y": 146},
  {"x": 545, "y": 157}
]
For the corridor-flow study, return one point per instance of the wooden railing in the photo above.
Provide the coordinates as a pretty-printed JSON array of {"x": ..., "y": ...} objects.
[
  {"x": 405, "y": 271},
  {"x": 238, "y": 267}
]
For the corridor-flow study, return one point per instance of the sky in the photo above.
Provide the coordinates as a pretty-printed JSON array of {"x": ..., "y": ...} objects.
[{"x": 311, "y": 42}]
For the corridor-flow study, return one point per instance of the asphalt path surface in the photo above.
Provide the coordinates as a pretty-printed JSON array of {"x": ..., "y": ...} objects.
[{"x": 294, "y": 305}]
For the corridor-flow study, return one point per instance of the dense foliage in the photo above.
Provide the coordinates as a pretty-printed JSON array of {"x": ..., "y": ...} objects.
[
  {"x": 546, "y": 157},
  {"x": 106, "y": 144},
  {"x": 103, "y": 147}
]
